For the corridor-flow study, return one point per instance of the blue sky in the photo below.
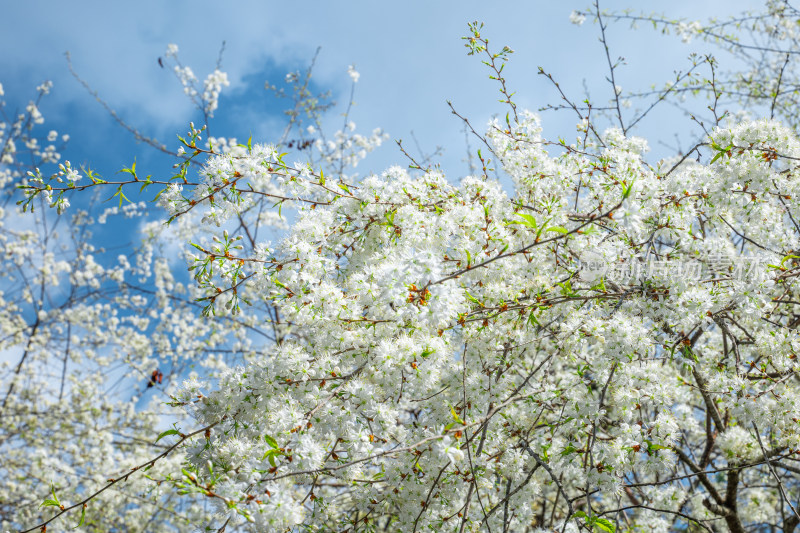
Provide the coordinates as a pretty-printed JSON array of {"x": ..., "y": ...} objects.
[{"x": 409, "y": 54}]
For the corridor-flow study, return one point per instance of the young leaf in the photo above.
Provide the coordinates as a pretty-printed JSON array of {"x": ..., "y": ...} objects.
[
  {"x": 456, "y": 417},
  {"x": 558, "y": 229},
  {"x": 167, "y": 433},
  {"x": 541, "y": 229},
  {"x": 54, "y": 502},
  {"x": 472, "y": 299},
  {"x": 654, "y": 447},
  {"x": 527, "y": 220},
  {"x": 83, "y": 517},
  {"x": 50, "y": 503},
  {"x": 627, "y": 190},
  {"x": 603, "y": 524},
  {"x": 568, "y": 450}
]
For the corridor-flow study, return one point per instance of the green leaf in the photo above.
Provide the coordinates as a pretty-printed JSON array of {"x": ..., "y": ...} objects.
[
  {"x": 50, "y": 503},
  {"x": 689, "y": 354},
  {"x": 788, "y": 257},
  {"x": 654, "y": 447},
  {"x": 597, "y": 524},
  {"x": 271, "y": 454},
  {"x": 558, "y": 229},
  {"x": 132, "y": 170},
  {"x": 472, "y": 299},
  {"x": 322, "y": 178},
  {"x": 456, "y": 417},
  {"x": 54, "y": 502},
  {"x": 541, "y": 229},
  {"x": 527, "y": 221},
  {"x": 122, "y": 197},
  {"x": 627, "y": 190},
  {"x": 568, "y": 450},
  {"x": 566, "y": 288},
  {"x": 272, "y": 442},
  {"x": 167, "y": 433},
  {"x": 720, "y": 150},
  {"x": 603, "y": 524},
  {"x": 83, "y": 517},
  {"x": 601, "y": 286}
]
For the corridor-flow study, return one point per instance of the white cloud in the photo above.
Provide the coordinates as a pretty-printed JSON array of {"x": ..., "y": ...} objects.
[{"x": 410, "y": 63}]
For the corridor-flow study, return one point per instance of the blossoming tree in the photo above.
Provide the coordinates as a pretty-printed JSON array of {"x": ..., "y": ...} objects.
[
  {"x": 87, "y": 338},
  {"x": 610, "y": 346},
  {"x": 95, "y": 343}
]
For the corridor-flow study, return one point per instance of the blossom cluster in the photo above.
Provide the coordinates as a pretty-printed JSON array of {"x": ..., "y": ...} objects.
[
  {"x": 83, "y": 331},
  {"x": 446, "y": 360}
]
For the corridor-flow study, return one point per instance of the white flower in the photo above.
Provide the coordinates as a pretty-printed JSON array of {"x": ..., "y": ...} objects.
[
  {"x": 61, "y": 205},
  {"x": 447, "y": 447},
  {"x": 212, "y": 86},
  {"x": 354, "y": 75},
  {"x": 577, "y": 18},
  {"x": 36, "y": 116},
  {"x": 687, "y": 31},
  {"x": 45, "y": 87},
  {"x": 172, "y": 50}
]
